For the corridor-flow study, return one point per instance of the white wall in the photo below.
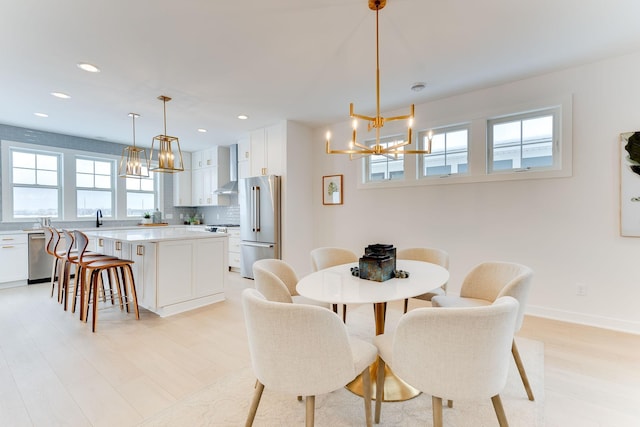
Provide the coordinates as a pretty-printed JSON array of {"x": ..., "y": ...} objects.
[
  {"x": 566, "y": 229},
  {"x": 297, "y": 207}
]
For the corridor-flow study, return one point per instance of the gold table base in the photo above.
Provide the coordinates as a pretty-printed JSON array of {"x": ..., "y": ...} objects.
[{"x": 395, "y": 390}]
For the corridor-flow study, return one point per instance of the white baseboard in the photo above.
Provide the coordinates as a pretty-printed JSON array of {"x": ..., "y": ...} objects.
[{"x": 584, "y": 319}]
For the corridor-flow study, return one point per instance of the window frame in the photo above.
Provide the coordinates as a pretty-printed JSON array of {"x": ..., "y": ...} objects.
[
  {"x": 439, "y": 131},
  {"x": 520, "y": 117},
  {"x": 8, "y": 199},
  {"x": 366, "y": 160},
  {"x": 112, "y": 189},
  {"x": 156, "y": 193}
]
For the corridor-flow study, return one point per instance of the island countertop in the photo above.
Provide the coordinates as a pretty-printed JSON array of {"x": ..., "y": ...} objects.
[{"x": 154, "y": 234}]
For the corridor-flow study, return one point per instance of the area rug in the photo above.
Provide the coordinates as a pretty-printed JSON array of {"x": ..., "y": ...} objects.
[{"x": 225, "y": 403}]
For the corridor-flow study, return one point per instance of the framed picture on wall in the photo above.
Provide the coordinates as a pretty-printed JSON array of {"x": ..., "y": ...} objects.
[
  {"x": 332, "y": 190},
  {"x": 630, "y": 184}
]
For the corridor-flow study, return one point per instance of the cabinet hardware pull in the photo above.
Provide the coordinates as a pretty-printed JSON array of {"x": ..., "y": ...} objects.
[
  {"x": 118, "y": 245},
  {"x": 8, "y": 247},
  {"x": 7, "y": 238},
  {"x": 140, "y": 250},
  {"x": 100, "y": 242}
]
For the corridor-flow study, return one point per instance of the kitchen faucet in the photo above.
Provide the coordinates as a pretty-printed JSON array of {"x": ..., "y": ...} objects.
[{"x": 99, "y": 218}]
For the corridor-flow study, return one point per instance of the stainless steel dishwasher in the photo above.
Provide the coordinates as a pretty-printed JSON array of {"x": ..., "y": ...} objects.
[{"x": 40, "y": 261}]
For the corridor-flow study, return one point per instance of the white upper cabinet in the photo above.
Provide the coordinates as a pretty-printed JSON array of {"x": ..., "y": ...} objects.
[
  {"x": 209, "y": 172},
  {"x": 267, "y": 150},
  {"x": 182, "y": 183}
]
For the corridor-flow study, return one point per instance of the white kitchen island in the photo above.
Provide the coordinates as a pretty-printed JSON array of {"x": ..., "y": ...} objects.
[{"x": 175, "y": 269}]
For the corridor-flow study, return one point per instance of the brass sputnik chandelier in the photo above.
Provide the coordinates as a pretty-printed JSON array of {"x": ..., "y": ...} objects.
[
  {"x": 134, "y": 162},
  {"x": 169, "y": 154},
  {"x": 378, "y": 121}
]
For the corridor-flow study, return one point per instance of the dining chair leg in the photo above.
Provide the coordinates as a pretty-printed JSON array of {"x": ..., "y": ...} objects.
[
  {"x": 497, "y": 406},
  {"x": 366, "y": 391},
  {"x": 335, "y": 308},
  {"x": 310, "y": 411},
  {"x": 523, "y": 374},
  {"x": 344, "y": 314},
  {"x": 254, "y": 404},
  {"x": 406, "y": 305},
  {"x": 379, "y": 388},
  {"x": 436, "y": 403}
]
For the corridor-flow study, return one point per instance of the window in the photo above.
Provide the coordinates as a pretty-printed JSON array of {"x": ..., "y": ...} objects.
[
  {"x": 68, "y": 185},
  {"x": 94, "y": 187},
  {"x": 384, "y": 167},
  {"x": 141, "y": 195},
  {"x": 524, "y": 141},
  {"x": 35, "y": 178},
  {"x": 449, "y": 151}
]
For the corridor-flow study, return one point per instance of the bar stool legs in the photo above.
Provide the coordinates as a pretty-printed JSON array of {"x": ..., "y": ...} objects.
[{"x": 122, "y": 273}]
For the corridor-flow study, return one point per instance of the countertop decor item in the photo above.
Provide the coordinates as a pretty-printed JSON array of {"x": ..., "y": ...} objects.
[
  {"x": 146, "y": 218},
  {"x": 332, "y": 190},
  {"x": 377, "y": 122}
]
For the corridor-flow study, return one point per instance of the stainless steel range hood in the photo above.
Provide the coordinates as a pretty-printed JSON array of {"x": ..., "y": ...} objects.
[{"x": 232, "y": 186}]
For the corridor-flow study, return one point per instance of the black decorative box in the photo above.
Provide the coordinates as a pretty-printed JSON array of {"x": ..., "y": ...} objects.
[{"x": 378, "y": 263}]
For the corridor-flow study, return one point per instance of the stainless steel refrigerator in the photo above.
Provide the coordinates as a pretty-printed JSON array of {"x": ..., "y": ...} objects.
[{"x": 259, "y": 221}]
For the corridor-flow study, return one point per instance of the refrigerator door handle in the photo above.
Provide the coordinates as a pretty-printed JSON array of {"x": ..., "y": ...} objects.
[
  {"x": 253, "y": 209},
  {"x": 258, "y": 245},
  {"x": 257, "y": 205}
]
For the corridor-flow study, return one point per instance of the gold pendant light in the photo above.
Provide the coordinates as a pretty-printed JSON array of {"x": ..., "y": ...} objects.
[
  {"x": 134, "y": 162},
  {"x": 168, "y": 154},
  {"x": 377, "y": 122}
]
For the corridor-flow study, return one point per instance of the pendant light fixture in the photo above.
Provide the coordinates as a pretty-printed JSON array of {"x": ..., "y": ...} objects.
[
  {"x": 377, "y": 122},
  {"x": 134, "y": 162},
  {"x": 168, "y": 153}
]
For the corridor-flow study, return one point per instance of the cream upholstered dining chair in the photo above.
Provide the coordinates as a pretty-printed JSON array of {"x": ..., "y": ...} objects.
[
  {"x": 276, "y": 280},
  {"x": 302, "y": 350},
  {"x": 432, "y": 255},
  {"x": 487, "y": 282},
  {"x": 326, "y": 257},
  {"x": 453, "y": 353}
]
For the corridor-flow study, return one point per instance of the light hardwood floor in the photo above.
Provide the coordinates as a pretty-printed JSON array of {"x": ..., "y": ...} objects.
[{"x": 54, "y": 371}]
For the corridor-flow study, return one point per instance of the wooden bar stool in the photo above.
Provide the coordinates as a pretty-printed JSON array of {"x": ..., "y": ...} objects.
[
  {"x": 52, "y": 237},
  {"x": 80, "y": 257},
  {"x": 91, "y": 281},
  {"x": 71, "y": 258}
]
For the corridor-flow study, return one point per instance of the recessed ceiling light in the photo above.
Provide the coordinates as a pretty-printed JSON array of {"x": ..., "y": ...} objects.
[
  {"x": 417, "y": 87},
  {"x": 243, "y": 117},
  {"x": 201, "y": 130},
  {"x": 41, "y": 114},
  {"x": 60, "y": 95},
  {"x": 88, "y": 67}
]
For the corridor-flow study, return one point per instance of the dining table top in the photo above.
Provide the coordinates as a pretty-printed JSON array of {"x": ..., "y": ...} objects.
[{"x": 337, "y": 285}]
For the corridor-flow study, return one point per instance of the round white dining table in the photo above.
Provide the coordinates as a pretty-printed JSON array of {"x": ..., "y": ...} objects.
[{"x": 337, "y": 285}]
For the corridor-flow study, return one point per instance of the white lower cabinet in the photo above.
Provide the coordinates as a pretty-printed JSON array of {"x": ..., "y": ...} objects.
[
  {"x": 209, "y": 262},
  {"x": 234, "y": 249},
  {"x": 191, "y": 273},
  {"x": 173, "y": 276},
  {"x": 14, "y": 258},
  {"x": 144, "y": 266}
]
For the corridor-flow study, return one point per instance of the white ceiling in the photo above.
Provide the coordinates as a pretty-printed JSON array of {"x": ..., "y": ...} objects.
[{"x": 279, "y": 59}]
